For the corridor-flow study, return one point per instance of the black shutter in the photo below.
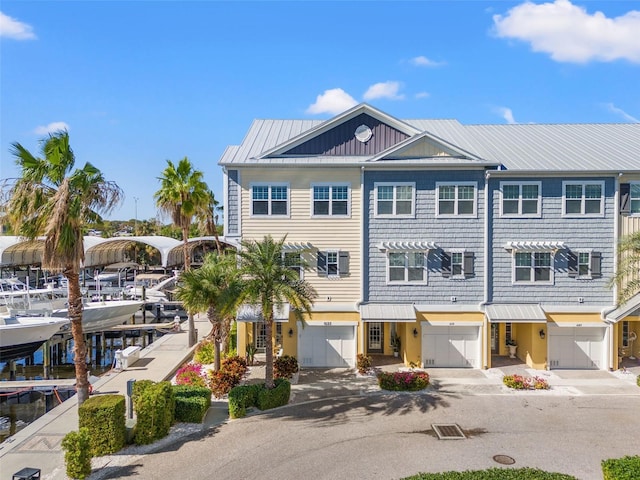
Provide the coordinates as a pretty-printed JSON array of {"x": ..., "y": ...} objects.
[
  {"x": 596, "y": 260},
  {"x": 322, "y": 264},
  {"x": 625, "y": 198},
  {"x": 446, "y": 265},
  {"x": 343, "y": 263},
  {"x": 468, "y": 264},
  {"x": 572, "y": 264}
]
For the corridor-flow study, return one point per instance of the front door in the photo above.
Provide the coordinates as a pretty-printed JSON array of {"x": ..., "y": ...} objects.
[
  {"x": 495, "y": 338},
  {"x": 375, "y": 337},
  {"x": 260, "y": 336}
]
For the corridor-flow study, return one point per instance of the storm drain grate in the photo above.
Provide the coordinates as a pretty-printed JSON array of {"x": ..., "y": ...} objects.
[
  {"x": 504, "y": 459},
  {"x": 448, "y": 431}
]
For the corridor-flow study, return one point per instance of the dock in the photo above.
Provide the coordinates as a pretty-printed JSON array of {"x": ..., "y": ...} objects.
[{"x": 38, "y": 444}]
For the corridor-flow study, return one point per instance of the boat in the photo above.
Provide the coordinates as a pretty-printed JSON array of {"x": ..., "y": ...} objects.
[
  {"x": 150, "y": 287},
  {"x": 102, "y": 315},
  {"x": 117, "y": 274},
  {"x": 96, "y": 315},
  {"x": 20, "y": 336}
]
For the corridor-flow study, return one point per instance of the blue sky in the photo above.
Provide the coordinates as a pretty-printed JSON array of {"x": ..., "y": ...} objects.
[{"x": 139, "y": 82}]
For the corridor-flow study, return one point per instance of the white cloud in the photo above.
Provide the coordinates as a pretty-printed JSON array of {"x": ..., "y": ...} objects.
[
  {"x": 51, "y": 128},
  {"x": 506, "y": 113},
  {"x": 332, "y": 101},
  {"x": 387, "y": 89},
  {"x": 618, "y": 111},
  {"x": 570, "y": 34},
  {"x": 423, "y": 95},
  {"x": 12, "y": 28},
  {"x": 423, "y": 61}
]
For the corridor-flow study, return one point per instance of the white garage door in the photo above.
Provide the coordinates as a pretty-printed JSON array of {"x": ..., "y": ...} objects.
[
  {"x": 444, "y": 346},
  {"x": 327, "y": 346},
  {"x": 576, "y": 347}
]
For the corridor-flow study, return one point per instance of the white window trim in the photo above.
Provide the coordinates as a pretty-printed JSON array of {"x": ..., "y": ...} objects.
[
  {"x": 551, "y": 280},
  {"x": 270, "y": 184},
  {"x": 461, "y": 251},
  {"x": 394, "y": 184},
  {"x": 520, "y": 199},
  {"x": 583, "y": 183},
  {"x": 456, "y": 200},
  {"x": 284, "y": 255},
  {"x": 632, "y": 213},
  {"x": 589, "y": 275},
  {"x": 331, "y": 185},
  {"x": 337, "y": 274},
  {"x": 406, "y": 268}
]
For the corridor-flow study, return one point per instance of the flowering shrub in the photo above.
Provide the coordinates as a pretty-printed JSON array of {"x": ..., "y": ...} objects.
[
  {"x": 403, "y": 381},
  {"x": 519, "y": 382},
  {"x": 190, "y": 374},
  {"x": 232, "y": 369},
  {"x": 363, "y": 364},
  {"x": 285, "y": 366}
]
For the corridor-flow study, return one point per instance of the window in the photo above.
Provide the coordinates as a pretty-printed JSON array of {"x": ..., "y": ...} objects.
[
  {"x": 455, "y": 199},
  {"x": 625, "y": 333},
  {"x": 331, "y": 200},
  {"x": 395, "y": 200},
  {"x": 521, "y": 199},
  {"x": 457, "y": 264},
  {"x": 583, "y": 198},
  {"x": 333, "y": 263},
  {"x": 584, "y": 264},
  {"x": 406, "y": 267},
  {"x": 293, "y": 261},
  {"x": 533, "y": 267},
  {"x": 634, "y": 195},
  {"x": 270, "y": 200}
]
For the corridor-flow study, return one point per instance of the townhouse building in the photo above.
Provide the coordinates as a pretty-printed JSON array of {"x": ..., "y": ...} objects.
[{"x": 446, "y": 242}]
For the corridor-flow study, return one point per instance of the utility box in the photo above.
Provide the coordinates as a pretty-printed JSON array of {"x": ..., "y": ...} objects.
[{"x": 130, "y": 355}]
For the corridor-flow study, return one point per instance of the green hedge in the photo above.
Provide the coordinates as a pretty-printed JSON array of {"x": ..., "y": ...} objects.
[
  {"x": 625, "y": 468},
  {"x": 104, "y": 417},
  {"x": 246, "y": 396},
  {"x": 192, "y": 403},
  {"x": 155, "y": 407},
  {"x": 494, "y": 474},
  {"x": 275, "y": 397},
  {"x": 77, "y": 453}
]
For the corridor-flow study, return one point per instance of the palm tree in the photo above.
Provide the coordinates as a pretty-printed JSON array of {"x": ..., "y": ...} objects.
[
  {"x": 213, "y": 288},
  {"x": 208, "y": 218},
  {"x": 270, "y": 283},
  {"x": 627, "y": 278},
  {"x": 182, "y": 195},
  {"x": 52, "y": 199}
]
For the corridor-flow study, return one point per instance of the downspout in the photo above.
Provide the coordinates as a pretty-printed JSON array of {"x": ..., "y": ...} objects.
[
  {"x": 616, "y": 233},
  {"x": 361, "y": 342},
  {"x": 485, "y": 299}
]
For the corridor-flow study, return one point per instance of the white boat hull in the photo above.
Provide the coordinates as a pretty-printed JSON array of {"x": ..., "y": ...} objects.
[
  {"x": 21, "y": 336},
  {"x": 100, "y": 316}
]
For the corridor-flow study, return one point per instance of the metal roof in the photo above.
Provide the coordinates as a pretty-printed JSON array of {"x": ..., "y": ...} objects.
[
  {"x": 517, "y": 147},
  {"x": 388, "y": 312},
  {"x": 515, "y": 313}
]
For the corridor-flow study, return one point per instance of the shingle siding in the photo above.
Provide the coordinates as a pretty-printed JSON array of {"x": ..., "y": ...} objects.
[
  {"x": 446, "y": 233},
  {"x": 595, "y": 233},
  {"x": 233, "y": 207}
]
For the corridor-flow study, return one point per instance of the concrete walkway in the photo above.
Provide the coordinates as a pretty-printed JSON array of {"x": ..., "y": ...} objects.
[{"x": 38, "y": 445}]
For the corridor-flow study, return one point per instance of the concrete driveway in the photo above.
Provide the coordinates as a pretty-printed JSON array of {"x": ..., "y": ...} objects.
[{"x": 389, "y": 436}]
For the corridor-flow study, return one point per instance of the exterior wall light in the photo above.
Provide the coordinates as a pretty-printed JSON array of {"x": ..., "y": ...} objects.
[
  {"x": 541, "y": 333},
  {"x": 291, "y": 332},
  {"x": 415, "y": 332}
]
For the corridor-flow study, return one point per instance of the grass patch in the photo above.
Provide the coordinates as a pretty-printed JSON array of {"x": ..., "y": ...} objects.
[{"x": 494, "y": 474}]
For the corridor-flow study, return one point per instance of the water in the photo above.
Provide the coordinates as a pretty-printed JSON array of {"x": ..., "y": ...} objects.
[{"x": 19, "y": 409}]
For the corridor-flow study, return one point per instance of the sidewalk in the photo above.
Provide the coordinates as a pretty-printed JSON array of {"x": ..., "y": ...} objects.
[{"x": 38, "y": 445}]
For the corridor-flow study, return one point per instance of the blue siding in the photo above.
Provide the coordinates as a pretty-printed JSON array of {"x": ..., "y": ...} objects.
[
  {"x": 447, "y": 233},
  {"x": 595, "y": 233},
  {"x": 232, "y": 210}
]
